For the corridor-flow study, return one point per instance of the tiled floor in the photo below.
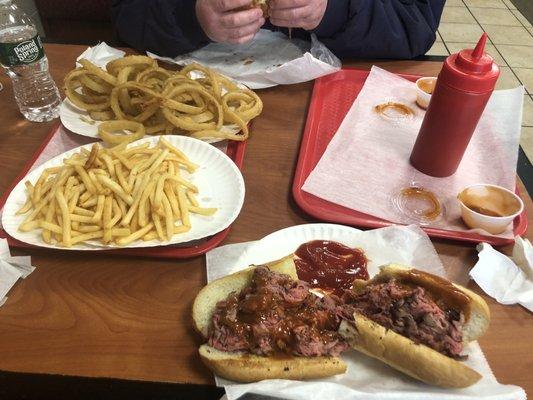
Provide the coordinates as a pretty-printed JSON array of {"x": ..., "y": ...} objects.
[{"x": 511, "y": 45}]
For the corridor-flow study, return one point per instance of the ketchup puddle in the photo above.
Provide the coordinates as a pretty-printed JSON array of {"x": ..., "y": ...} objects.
[{"x": 330, "y": 266}]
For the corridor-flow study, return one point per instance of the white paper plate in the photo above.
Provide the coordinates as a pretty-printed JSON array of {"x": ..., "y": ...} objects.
[
  {"x": 219, "y": 181},
  {"x": 77, "y": 120}
]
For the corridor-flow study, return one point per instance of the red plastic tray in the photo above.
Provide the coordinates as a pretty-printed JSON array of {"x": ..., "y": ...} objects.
[
  {"x": 235, "y": 151},
  {"x": 332, "y": 97}
]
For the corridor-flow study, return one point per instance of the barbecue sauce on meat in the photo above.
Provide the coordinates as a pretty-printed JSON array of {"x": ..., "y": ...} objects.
[
  {"x": 422, "y": 307},
  {"x": 276, "y": 315},
  {"x": 330, "y": 266},
  {"x": 447, "y": 296}
]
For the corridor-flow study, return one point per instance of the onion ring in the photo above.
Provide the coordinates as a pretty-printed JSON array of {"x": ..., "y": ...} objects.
[
  {"x": 93, "y": 69},
  {"x": 108, "y": 131},
  {"x": 139, "y": 62}
]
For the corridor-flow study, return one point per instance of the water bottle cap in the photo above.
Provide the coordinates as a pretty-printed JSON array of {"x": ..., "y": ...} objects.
[{"x": 471, "y": 70}]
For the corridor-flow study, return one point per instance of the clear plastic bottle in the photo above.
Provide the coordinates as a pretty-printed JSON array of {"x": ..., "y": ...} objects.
[{"x": 22, "y": 55}]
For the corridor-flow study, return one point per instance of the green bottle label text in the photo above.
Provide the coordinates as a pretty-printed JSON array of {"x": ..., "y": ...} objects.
[{"x": 23, "y": 53}]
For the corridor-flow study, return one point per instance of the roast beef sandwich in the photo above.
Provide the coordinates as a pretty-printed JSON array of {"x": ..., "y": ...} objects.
[
  {"x": 415, "y": 322},
  {"x": 264, "y": 323},
  {"x": 263, "y": 5}
]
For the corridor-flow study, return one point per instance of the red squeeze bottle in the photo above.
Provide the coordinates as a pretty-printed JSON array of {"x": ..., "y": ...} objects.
[{"x": 464, "y": 86}]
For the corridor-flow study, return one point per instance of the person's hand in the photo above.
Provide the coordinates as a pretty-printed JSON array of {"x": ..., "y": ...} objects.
[
  {"x": 222, "y": 22},
  {"x": 306, "y": 14}
]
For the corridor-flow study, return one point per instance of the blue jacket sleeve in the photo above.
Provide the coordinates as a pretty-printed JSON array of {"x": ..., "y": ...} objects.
[
  {"x": 380, "y": 28},
  {"x": 164, "y": 27}
]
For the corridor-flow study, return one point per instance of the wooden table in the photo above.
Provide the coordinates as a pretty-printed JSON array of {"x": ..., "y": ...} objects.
[{"x": 128, "y": 317}]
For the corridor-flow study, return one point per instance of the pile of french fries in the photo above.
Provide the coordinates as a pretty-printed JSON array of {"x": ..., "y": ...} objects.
[{"x": 114, "y": 196}]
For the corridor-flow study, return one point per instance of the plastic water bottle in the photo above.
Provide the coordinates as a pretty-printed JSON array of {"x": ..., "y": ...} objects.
[{"x": 22, "y": 55}]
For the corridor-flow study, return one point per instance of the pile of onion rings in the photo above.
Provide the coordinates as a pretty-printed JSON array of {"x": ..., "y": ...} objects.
[{"x": 140, "y": 97}]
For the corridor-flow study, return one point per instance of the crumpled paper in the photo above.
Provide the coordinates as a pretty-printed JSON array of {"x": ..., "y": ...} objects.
[
  {"x": 11, "y": 269},
  {"x": 509, "y": 280},
  {"x": 366, "y": 378},
  {"x": 268, "y": 60},
  {"x": 523, "y": 256},
  {"x": 366, "y": 164},
  {"x": 100, "y": 54}
]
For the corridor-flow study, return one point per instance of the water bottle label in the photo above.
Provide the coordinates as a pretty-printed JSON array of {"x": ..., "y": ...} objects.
[{"x": 27, "y": 52}]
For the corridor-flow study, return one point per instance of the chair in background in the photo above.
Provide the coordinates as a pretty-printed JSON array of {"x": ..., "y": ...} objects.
[{"x": 76, "y": 21}]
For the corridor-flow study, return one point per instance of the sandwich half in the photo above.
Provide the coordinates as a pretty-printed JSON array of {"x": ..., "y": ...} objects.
[
  {"x": 417, "y": 323},
  {"x": 262, "y": 323},
  {"x": 263, "y": 5}
]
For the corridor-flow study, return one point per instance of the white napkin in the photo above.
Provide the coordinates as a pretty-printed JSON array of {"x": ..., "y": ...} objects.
[
  {"x": 100, "y": 54},
  {"x": 11, "y": 269},
  {"x": 508, "y": 280},
  {"x": 523, "y": 256},
  {"x": 367, "y": 162},
  {"x": 270, "y": 59},
  {"x": 367, "y": 378}
]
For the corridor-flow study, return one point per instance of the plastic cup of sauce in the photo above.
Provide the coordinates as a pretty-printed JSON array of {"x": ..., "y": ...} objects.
[
  {"x": 424, "y": 89},
  {"x": 489, "y": 207}
]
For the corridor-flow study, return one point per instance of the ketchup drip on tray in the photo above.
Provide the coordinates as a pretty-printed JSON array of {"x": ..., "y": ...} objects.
[{"x": 330, "y": 266}]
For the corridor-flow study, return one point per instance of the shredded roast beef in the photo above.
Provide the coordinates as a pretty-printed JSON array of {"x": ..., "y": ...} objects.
[
  {"x": 411, "y": 312},
  {"x": 276, "y": 314}
]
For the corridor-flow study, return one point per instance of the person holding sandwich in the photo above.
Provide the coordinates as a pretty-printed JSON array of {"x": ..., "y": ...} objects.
[{"x": 398, "y": 29}]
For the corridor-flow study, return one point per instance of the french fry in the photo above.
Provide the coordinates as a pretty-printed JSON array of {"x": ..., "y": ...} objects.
[
  {"x": 90, "y": 203},
  {"x": 181, "y": 156},
  {"x": 109, "y": 164},
  {"x": 26, "y": 207},
  {"x": 89, "y": 228},
  {"x": 181, "y": 229},
  {"x": 161, "y": 183},
  {"x": 184, "y": 208},
  {"x": 169, "y": 217},
  {"x": 50, "y": 212},
  {"x": 192, "y": 198},
  {"x": 171, "y": 196},
  {"x": 152, "y": 235},
  {"x": 85, "y": 179},
  {"x": 123, "y": 206},
  {"x": 65, "y": 217},
  {"x": 115, "y": 187},
  {"x": 143, "y": 212},
  {"x": 122, "y": 179},
  {"x": 82, "y": 218},
  {"x": 120, "y": 232},
  {"x": 201, "y": 210},
  {"x": 51, "y": 227},
  {"x": 116, "y": 217},
  {"x": 158, "y": 227},
  {"x": 30, "y": 225},
  {"x": 106, "y": 218},
  {"x": 123, "y": 241},
  {"x": 83, "y": 211},
  {"x": 99, "y": 209},
  {"x": 73, "y": 201},
  {"x": 87, "y": 236},
  {"x": 97, "y": 185}
]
